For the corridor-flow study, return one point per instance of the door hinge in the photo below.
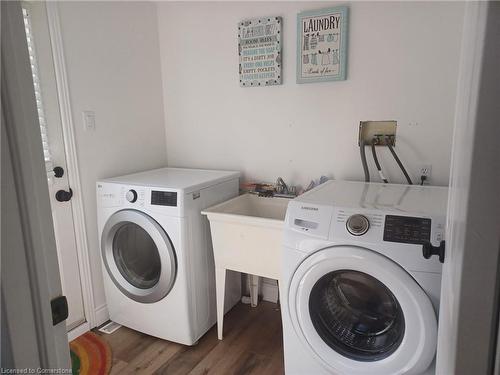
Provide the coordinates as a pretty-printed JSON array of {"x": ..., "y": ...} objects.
[{"x": 59, "y": 306}]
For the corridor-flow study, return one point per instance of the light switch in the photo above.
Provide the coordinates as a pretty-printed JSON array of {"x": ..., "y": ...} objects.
[{"x": 89, "y": 120}]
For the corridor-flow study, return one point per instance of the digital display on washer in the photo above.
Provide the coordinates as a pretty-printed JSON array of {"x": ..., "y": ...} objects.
[
  {"x": 164, "y": 198},
  {"x": 407, "y": 229}
]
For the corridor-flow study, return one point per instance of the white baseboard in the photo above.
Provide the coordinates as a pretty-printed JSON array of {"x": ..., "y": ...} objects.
[
  {"x": 269, "y": 291},
  {"x": 78, "y": 331},
  {"x": 268, "y": 288},
  {"x": 101, "y": 315}
]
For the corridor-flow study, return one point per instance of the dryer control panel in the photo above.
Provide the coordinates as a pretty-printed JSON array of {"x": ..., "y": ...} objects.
[
  {"x": 164, "y": 198},
  {"x": 158, "y": 200}
]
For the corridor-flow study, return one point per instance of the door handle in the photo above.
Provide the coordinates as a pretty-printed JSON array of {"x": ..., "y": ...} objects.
[{"x": 63, "y": 195}]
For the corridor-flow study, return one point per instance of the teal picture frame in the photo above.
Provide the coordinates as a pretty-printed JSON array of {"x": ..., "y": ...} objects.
[{"x": 322, "y": 38}]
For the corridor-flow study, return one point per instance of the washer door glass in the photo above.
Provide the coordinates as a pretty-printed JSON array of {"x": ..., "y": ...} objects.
[
  {"x": 136, "y": 256},
  {"x": 359, "y": 312},
  {"x": 356, "y": 315}
]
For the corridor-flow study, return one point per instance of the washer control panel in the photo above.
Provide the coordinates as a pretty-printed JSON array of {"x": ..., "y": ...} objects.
[
  {"x": 131, "y": 195},
  {"x": 370, "y": 225},
  {"x": 357, "y": 224},
  {"x": 407, "y": 229}
]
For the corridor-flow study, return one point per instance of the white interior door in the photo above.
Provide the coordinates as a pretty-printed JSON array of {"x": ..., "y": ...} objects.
[
  {"x": 33, "y": 332},
  {"x": 469, "y": 312},
  {"x": 42, "y": 65}
]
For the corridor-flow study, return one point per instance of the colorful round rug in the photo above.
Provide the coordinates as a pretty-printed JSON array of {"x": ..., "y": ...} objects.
[{"x": 90, "y": 355}]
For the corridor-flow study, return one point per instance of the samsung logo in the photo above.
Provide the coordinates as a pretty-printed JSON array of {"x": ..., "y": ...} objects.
[{"x": 309, "y": 208}]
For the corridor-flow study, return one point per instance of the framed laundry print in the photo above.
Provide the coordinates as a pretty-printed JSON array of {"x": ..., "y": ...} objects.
[
  {"x": 259, "y": 49},
  {"x": 322, "y": 45}
]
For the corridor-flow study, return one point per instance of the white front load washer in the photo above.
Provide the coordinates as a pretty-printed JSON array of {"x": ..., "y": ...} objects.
[
  {"x": 358, "y": 297},
  {"x": 156, "y": 250}
]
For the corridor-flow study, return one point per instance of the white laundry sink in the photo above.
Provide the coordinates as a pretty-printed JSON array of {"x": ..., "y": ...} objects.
[{"x": 247, "y": 236}]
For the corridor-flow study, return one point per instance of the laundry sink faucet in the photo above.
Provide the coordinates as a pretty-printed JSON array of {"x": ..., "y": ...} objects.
[{"x": 282, "y": 188}]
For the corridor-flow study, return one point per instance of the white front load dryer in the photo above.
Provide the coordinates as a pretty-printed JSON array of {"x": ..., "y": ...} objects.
[
  {"x": 156, "y": 251},
  {"x": 358, "y": 297}
]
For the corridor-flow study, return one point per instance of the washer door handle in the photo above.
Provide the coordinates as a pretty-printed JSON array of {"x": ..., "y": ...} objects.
[{"x": 428, "y": 250}]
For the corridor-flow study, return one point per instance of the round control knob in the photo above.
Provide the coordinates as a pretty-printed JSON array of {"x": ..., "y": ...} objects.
[
  {"x": 357, "y": 225},
  {"x": 131, "y": 196}
]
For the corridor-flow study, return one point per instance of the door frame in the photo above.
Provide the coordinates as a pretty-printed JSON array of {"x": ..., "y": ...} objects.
[{"x": 68, "y": 129}]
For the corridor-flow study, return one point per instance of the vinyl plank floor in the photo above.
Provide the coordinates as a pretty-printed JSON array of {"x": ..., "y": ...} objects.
[{"x": 252, "y": 344}]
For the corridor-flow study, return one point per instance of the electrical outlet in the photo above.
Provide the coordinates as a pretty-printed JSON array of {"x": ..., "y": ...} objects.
[{"x": 425, "y": 170}]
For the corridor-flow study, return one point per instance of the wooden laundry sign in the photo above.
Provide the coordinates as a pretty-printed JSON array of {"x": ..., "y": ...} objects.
[
  {"x": 322, "y": 45},
  {"x": 259, "y": 48}
]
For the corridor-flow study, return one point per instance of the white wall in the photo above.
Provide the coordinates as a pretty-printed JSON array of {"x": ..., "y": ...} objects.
[
  {"x": 113, "y": 66},
  {"x": 402, "y": 65}
]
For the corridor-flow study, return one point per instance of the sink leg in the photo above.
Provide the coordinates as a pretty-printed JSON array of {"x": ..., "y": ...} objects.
[
  {"x": 254, "y": 290},
  {"x": 220, "y": 287}
]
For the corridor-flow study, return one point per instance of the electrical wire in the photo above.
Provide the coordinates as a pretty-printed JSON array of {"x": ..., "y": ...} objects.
[
  {"x": 393, "y": 152},
  {"x": 375, "y": 159},
  {"x": 363, "y": 160}
]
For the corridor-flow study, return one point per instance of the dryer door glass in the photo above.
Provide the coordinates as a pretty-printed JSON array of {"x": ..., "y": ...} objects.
[
  {"x": 356, "y": 315},
  {"x": 136, "y": 256}
]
